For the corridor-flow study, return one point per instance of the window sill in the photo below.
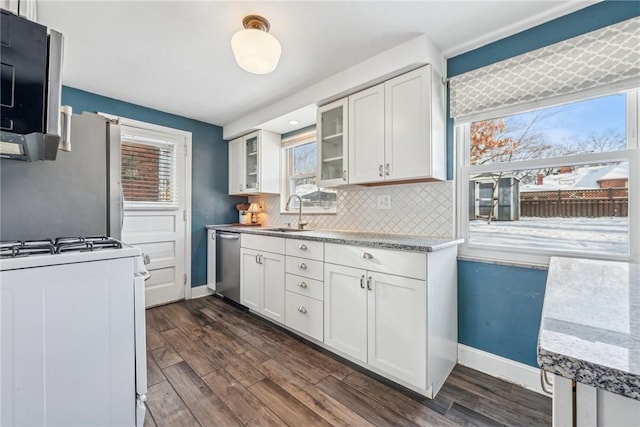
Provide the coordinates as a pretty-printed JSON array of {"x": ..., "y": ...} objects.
[{"x": 525, "y": 257}]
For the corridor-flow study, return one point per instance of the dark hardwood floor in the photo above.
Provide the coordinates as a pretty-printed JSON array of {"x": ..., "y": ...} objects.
[{"x": 212, "y": 364}]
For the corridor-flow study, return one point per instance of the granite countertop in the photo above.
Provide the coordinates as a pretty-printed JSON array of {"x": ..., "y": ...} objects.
[
  {"x": 590, "y": 329},
  {"x": 374, "y": 240}
]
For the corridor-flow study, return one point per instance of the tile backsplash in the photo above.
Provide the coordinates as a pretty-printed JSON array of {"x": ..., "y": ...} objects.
[{"x": 424, "y": 209}]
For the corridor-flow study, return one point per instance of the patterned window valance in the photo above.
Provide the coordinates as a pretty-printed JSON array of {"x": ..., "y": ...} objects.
[{"x": 607, "y": 56}]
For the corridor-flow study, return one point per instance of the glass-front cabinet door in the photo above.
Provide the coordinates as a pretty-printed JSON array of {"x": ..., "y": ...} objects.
[
  {"x": 332, "y": 144},
  {"x": 251, "y": 162}
]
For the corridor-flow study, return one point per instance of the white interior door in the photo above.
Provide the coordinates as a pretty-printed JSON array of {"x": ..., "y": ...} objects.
[{"x": 156, "y": 186}]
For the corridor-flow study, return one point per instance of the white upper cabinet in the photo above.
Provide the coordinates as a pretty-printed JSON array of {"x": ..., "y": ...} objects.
[
  {"x": 333, "y": 151},
  {"x": 366, "y": 135},
  {"x": 397, "y": 130},
  {"x": 254, "y": 163},
  {"x": 236, "y": 184},
  {"x": 414, "y": 127}
]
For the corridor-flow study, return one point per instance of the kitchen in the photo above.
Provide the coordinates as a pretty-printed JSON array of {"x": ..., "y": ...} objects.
[{"x": 499, "y": 302}]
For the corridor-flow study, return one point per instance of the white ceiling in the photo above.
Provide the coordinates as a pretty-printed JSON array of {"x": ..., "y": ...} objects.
[{"x": 175, "y": 56}]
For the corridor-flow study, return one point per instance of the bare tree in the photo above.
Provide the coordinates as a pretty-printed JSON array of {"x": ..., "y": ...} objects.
[{"x": 603, "y": 141}]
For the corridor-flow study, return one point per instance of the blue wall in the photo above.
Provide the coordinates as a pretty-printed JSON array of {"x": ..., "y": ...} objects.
[
  {"x": 210, "y": 203},
  {"x": 499, "y": 307}
]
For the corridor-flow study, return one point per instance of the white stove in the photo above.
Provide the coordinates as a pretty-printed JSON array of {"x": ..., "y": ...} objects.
[{"x": 73, "y": 342}]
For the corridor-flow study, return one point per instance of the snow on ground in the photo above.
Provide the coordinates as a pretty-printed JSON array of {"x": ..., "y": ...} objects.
[{"x": 607, "y": 234}]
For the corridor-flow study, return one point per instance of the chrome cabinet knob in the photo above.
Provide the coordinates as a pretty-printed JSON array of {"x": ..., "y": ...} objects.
[
  {"x": 302, "y": 284},
  {"x": 302, "y": 310},
  {"x": 302, "y": 247},
  {"x": 367, "y": 255},
  {"x": 302, "y": 266}
]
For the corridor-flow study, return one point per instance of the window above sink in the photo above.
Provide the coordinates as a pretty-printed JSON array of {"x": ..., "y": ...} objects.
[{"x": 300, "y": 160}]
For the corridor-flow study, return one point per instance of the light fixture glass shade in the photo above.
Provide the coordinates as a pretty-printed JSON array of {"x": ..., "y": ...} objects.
[{"x": 256, "y": 51}]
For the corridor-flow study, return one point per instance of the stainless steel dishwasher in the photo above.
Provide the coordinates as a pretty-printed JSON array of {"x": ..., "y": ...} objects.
[{"x": 228, "y": 265}]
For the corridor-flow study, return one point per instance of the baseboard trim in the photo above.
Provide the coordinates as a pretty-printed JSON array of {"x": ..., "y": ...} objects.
[
  {"x": 201, "y": 291},
  {"x": 500, "y": 367}
]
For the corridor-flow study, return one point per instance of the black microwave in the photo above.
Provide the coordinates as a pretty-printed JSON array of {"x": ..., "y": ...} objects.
[{"x": 30, "y": 92}]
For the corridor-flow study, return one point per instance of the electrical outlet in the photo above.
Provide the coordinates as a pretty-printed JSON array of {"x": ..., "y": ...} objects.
[{"x": 384, "y": 202}]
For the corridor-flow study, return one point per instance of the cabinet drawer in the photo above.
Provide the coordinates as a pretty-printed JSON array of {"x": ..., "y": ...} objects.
[
  {"x": 305, "y": 286},
  {"x": 305, "y": 249},
  {"x": 262, "y": 243},
  {"x": 401, "y": 263},
  {"x": 304, "y": 314},
  {"x": 305, "y": 267}
]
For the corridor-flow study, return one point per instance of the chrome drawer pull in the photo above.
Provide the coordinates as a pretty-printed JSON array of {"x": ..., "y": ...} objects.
[
  {"x": 302, "y": 310},
  {"x": 302, "y": 284},
  {"x": 302, "y": 265},
  {"x": 362, "y": 281},
  {"x": 367, "y": 255},
  {"x": 369, "y": 283},
  {"x": 380, "y": 170},
  {"x": 302, "y": 247}
]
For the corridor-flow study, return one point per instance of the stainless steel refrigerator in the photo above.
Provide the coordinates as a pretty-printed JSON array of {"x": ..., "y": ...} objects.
[{"x": 77, "y": 195}]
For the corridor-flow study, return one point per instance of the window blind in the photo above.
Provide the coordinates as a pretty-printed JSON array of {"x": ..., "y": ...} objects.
[
  {"x": 148, "y": 170},
  {"x": 605, "y": 57}
]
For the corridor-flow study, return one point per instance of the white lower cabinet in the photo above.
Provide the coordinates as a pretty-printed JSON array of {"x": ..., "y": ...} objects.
[
  {"x": 211, "y": 259},
  {"x": 262, "y": 275},
  {"x": 304, "y": 295},
  {"x": 251, "y": 279},
  {"x": 397, "y": 312},
  {"x": 391, "y": 311},
  {"x": 304, "y": 314},
  {"x": 379, "y": 319},
  {"x": 590, "y": 406},
  {"x": 345, "y": 310}
]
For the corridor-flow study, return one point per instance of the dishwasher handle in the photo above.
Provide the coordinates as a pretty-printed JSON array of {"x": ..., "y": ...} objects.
[{"x": 230, "y": 236}]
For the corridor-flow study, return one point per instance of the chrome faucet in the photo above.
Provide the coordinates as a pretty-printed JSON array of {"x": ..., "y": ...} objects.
[{"x": 301, "y": 223}]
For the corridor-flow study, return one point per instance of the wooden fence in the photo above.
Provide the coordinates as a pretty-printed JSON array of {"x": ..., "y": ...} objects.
[{"x": 575, "y": 203}]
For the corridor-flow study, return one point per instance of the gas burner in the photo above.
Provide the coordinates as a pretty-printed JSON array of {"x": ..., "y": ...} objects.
[
  {"x": 9, "y": 249},
  {"x": 104, "y": 243},
  {"x": 13, "y": 249},
  {"x": 16, "y": 248},
  {"x": 64, "y": 240},
  {"x": 84, "y": 244}
]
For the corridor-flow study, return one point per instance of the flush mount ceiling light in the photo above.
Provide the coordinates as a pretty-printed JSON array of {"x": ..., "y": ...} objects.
[
  {"x": 255, "y": 50},
  {"x": 294, "y": 122}
]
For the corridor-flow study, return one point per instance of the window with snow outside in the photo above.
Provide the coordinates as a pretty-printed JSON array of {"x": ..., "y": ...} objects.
[
  {"x": 558, "y": 180},
  {"x": 301, "y": 179}
]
